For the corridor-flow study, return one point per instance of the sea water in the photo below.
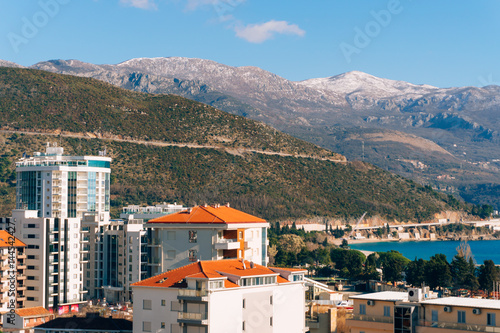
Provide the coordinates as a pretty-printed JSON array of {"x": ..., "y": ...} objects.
[{"x": 481, "y": 250}]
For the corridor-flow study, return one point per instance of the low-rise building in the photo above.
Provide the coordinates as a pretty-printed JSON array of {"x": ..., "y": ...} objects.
[
  {"x": 91, "y": 323},
  {"x": 221, "y": 296},
  {"x": 205, "y": 233},
  {"x": 416, "y": 312},
  {"x": 12, "y": 267},
  {"x": 24, "y": 320}
]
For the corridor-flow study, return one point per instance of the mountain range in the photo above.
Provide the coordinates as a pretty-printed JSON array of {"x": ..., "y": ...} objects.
[
  {"x": 168, "y": 148},
  {"x": 444, "y": 137}
]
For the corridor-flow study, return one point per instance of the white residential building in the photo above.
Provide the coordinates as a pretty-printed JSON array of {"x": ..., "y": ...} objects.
[
  {"x": 147, "y": 213},
  {"x": 233, "y": 296},
  {"x": 54, "y": 258},
  {"x": 205, "y": 233},
  {"x": 53, "y": 193}
]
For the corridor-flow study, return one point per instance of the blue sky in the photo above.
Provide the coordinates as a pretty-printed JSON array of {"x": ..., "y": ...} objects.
[{"x": 442, "y": 43}]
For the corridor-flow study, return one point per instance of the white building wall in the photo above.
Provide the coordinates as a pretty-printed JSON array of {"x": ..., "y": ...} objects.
[
  {"x": 226, "y": 313},
  {"x": 158, "y": 312},
  {"x": 176, "y": 246}
]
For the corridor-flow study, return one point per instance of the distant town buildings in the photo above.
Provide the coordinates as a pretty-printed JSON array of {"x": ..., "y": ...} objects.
[{"x": 221, "y": 296}]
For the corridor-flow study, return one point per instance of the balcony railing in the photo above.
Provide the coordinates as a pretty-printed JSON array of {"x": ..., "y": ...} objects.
[
  {"x": 192, "y": 293},
  {"x": 192, "y": 316},
  {"x": 375, "y": 319},
  {"x": 459, "y": 326}
]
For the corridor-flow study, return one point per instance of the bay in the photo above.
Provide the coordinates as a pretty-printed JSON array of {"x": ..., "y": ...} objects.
[{"x": 481, "y": 250}]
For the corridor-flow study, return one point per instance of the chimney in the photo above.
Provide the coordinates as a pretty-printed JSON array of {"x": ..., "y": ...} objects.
[
  {"x": 243, "y": 262},
  {"x": 227, "y": 204},
  {"x": 252, "y": 265}
]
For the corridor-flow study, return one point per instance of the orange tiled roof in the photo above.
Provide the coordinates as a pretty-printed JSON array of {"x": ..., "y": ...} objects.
[
  {"x": 208, "y": 269},
  {"x": 4, "y": 240},
  {"x": 31, "y": 312},
  {"x": 291, "y": 270},
  {"x": 209, "y": 214}
]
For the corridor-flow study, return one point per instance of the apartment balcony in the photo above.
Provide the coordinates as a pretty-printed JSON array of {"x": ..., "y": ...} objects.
[
  {"x": 21, "y": 299},
  {"x": 5, "y": 268},
  {"x": 22, "y": 256},
  {"x": 154, "y": 242},
  {"x": 227, "y": 244},
  {"x": 430, "y": 326},
  {"x": 192, "y": 318},
  {"x": 154, "y": 262},
  {"x": 4, "y": 300},
  {"x": 192, "y": 295},
  {"x": 84, "y": 240},
  {"x": 20, "y": 277},
  {"x": 21, "y": 266},
  {"x": 53, "y": 239},
  {"x": 53, "y": 230},
  {"x": 53, "y": 271},
  {"x": 364, "y": 322},
  {"x": 83, "y": 291},
  {"x": 21, "y": 288}
]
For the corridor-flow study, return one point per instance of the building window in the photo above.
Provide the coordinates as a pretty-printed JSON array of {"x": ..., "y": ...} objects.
[
  {"x": 163, "y": 302},
  {"x": 271, "y": 321},
  {"x": 362, "y": 309},
  {"x": 146, "y": 304},
  {"x": 434, "y": 315},
  {"x": 162, "y": 324},
  {"x": 193, "y": 236},
  {"x": 491, "y": 320},
  {"x": 193, "y": 255},
  {"x": 387, "y": 311},
  {"x": 461, "y": 317},
  {"x": 243, "y": 303},
  {"x": 271, "y": 299},
  {"x": 243, "y": 326},
  {"x": 146, "y": 326},
  {"x": 171, "y": 254}
]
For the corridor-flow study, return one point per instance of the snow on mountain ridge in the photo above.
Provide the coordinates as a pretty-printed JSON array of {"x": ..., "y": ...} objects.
[{"x": 360, "y": 83}]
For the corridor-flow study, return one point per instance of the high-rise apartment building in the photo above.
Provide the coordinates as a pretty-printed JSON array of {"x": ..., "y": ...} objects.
[
  {"x": 56, "y": 185},
  {"x": 53, "y": 192}
]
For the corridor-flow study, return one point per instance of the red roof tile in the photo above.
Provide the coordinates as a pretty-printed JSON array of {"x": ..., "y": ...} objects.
[
  {"x": 208, "y": 269},
  {"x": 209, "y": 214},
  {"x": 4, "y": 240},
  {"x": 31, "y": 312}
]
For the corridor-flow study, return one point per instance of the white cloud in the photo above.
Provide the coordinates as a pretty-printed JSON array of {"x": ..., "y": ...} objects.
[
  {"x": 142, "y": 4},
  {"x": 258, "y": 33}
]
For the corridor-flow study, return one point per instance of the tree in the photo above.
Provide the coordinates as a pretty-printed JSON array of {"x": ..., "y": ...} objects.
[
  {"x": 488, "y": 273},
  {"x": 415, "y": 271},
  {"x": 348, "y": 262},
  {"x": 437, "y": 272},
  {"x": 393, "y": 264},
  {"x": 463, "y": 273},
  {"x": 291, "y": 243},
  {"x": 345, "y": 244}
]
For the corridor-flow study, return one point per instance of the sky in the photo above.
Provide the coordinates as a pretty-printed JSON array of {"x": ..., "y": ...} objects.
[{"x": 443, "y": 43}]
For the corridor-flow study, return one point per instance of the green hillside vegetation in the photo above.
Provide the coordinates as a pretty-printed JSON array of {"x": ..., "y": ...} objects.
[
  {"x": 38, "y": 100},
  {"x": 274, "y": 187}
]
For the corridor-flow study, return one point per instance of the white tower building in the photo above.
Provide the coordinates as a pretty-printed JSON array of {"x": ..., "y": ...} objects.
[{"x": 53, "y": 193}]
